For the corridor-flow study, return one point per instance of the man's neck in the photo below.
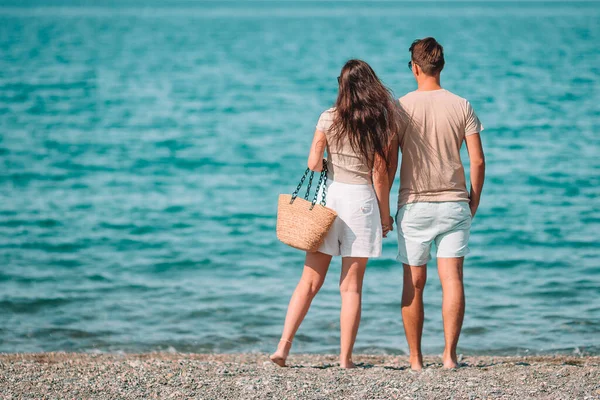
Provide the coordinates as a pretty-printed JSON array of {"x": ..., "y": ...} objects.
[{"x": 428, "y": 84}]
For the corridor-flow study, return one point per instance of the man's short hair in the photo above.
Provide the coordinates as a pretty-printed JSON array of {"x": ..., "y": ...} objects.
[{"x": 428, "y": 54}]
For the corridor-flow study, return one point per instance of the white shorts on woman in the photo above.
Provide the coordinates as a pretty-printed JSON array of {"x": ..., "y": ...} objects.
[{"x": 356, "y": 231}]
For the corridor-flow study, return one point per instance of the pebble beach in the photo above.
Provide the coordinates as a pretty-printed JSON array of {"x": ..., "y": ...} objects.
[{"x": 252, "y": 376}]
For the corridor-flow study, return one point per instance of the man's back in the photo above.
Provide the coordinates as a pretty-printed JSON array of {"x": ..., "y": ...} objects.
[{"x": 431, "y": 170}]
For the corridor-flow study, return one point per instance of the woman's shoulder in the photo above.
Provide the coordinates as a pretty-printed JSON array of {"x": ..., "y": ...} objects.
[
  {"x": 326, "y": 119},
  {"x": 329, "y": 113}
]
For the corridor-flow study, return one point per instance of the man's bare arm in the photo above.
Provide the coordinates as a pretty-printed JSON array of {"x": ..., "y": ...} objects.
[
  {"x": 477, "y": 160},
  {"x": 393, "y": 161}
]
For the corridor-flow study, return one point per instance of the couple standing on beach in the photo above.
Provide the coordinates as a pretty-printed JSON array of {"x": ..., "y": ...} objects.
[{"x": 362, "y": 134}]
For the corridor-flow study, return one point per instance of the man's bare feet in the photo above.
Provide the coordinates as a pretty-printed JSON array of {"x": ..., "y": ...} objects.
[
  {"x": 449, "y": 360},
  {"x": 450, "y": 364},
  {"x": 282, "y": 352},
  {"x": 416, "y": 362}
]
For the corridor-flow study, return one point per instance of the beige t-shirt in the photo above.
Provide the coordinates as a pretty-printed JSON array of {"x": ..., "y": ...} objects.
[
  {"x": 344, "y": 165},
  {"x": 431, "y": 169}
]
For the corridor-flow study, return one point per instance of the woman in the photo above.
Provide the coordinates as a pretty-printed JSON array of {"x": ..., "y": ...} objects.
[{"x": 357, "y": 133}]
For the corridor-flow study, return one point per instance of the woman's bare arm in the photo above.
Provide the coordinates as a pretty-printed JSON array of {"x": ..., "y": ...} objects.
[
  {"x": 382, "y": 190},
  {"x": 317, "y": 149}
]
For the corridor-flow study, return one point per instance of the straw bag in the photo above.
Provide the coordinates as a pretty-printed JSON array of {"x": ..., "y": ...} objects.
[{"x": 301, "y": 223}]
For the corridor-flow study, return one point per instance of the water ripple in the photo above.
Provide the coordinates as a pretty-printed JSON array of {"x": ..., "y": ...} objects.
[{"x": 143, "y": 149}]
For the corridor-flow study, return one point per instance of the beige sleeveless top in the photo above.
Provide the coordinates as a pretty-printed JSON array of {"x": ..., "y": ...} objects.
[{"x": 344, "y": 165}]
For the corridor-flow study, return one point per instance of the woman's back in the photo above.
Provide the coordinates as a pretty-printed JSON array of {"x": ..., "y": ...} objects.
[{"x": 344, "y": 164}]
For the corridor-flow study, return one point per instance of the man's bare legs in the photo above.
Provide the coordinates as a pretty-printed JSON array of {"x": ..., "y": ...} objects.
[
  {"x": 450, "y": 271},
  {"x": 351, "y": 280},
  {"x": 313, "y": 276},
  {"x": 412, "y": 311}
]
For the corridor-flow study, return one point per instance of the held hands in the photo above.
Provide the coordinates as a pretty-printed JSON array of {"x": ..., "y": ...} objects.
[{"x": 387, "y": 224}]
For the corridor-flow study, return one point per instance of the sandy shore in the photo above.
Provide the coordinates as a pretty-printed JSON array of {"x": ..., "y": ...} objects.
[{"x": 252, "y": 376}]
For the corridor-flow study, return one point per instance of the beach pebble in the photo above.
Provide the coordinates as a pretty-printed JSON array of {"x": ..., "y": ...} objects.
[{"x": 239, "y": 376}]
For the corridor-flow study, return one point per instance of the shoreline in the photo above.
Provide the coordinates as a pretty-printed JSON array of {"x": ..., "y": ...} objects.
[{"x": 253, "y": 376}]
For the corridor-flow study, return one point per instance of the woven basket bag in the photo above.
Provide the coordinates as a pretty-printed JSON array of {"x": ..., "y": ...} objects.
[{"x": 301, "y": 223}]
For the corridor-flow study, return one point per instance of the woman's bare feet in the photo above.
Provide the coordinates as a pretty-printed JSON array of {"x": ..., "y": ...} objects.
[
  {"x": 278, "y": 359},
  {"x": 348, "y": 364},
  {"x": 416, "y": 362},
  {"x": 282, "y": 352},
  {"x": 449, "y": 360}
]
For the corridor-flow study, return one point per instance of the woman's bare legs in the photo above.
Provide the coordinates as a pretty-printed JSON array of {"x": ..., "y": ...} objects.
[
  {"x": 351, "y": 280},
  {"x": 313, "y": 276}
]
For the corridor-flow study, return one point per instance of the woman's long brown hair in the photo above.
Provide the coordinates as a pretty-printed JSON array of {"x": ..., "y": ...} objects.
[{"x": 366, "y": 112}]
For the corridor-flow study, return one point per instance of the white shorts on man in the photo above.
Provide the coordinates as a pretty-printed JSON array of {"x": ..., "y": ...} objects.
[{"x": 446, "y": 225}]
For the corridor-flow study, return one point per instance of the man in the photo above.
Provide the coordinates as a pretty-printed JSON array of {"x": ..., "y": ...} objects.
[{"x": 434, "y": 206}]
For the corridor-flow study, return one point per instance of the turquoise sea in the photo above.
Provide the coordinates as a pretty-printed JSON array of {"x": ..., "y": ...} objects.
[{"x": 143, "y": 145}]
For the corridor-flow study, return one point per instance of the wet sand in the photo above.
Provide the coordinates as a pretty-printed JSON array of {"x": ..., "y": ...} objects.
[{"x": 252, "y": 376}]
